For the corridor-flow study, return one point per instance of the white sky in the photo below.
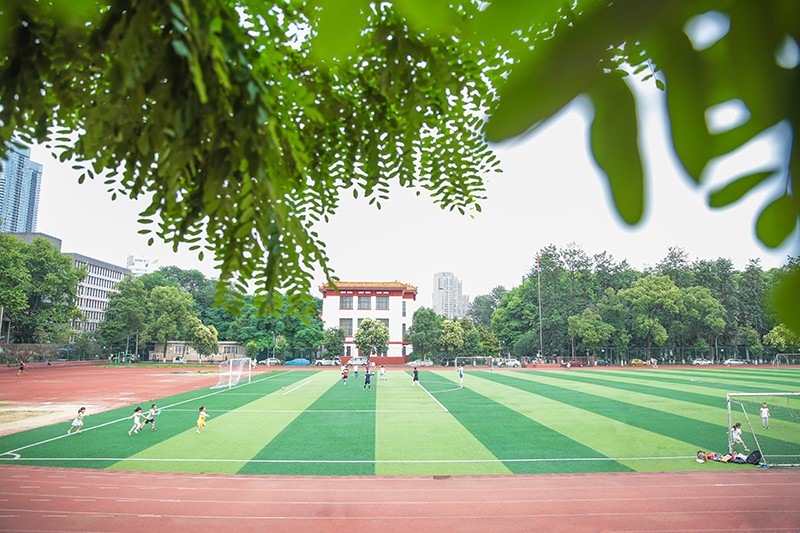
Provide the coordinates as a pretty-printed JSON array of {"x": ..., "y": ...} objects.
[{"x": 549, "y": 193}]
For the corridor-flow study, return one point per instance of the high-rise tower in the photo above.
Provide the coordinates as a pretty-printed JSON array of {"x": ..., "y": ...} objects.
[
  {"x": 447, "y": 297},
  {"x": 20, "y": 181}
]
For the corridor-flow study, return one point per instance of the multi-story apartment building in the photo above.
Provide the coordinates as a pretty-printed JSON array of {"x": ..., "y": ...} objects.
[
  {"x": 20, "y": 183},
  {"x": 101, "y": 279},
  {"x": 448, "y": 300},
  {"x": 141, "y": 265},
  {"x": 392, "y": 303}
]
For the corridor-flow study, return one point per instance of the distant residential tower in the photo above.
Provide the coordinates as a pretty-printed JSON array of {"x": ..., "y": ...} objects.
[
  {"x": 20, "y": 182},
  {"x": 447, "y": 297}
]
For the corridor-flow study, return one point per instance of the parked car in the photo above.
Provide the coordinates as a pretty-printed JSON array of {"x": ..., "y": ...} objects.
[
  {"x": 420, "y": 362},
  {"x": 448, "y": 361},
  {"x": 574, "y": 363},
  {"x": 269, "y": 361},
  {"x": 601, "y": 362},
  {"x": 337, "y": 361},
  {"x": 324, "y": 362},
  {"x": 729, "y": 362},
  {"x": 701, "y": 362},
  {"x": 638, "y": 362},
  {"x": 357, "y": 360},
  {"x": 298, "y": 362},
  {"x": 512, "y": 362},
  {"x": 179, "y": 359}
]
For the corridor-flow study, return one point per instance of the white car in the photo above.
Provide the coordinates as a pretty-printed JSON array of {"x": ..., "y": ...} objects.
[
  {"x": 324, "y": 362},
  {"x": 269, "y": 361},
  {"x": 512, "y": 362},
  {"x": 729, "y": 362},
  {"x": 179, "y": 359},
  {"x": 701, "y": 362},
  {"x": 420, "y": 362}
]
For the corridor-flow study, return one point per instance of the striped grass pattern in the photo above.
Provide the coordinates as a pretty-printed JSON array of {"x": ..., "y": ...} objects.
[{"x": 306, "y": 422}]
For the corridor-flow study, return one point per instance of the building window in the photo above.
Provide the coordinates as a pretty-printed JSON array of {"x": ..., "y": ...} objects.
[
  {"x": 381, "y": 302},
  {"x": 360, "y": 320},
  {"x": 365, "y": 302},
  {"x": 179, "y": 350},
  {"x": 347, "y": 325},
  {"x": 404, "y": 308},
  {"x": 230, "y": 350},
  {"x": 384, "y": 321},
  {"x": 345, "y": 302}
]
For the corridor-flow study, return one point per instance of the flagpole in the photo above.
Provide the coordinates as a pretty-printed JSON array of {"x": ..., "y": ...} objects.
[{"x": 539, "y": 286}]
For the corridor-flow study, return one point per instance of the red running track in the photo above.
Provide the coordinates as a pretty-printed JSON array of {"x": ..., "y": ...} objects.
[{"x": 39, "y": 499}]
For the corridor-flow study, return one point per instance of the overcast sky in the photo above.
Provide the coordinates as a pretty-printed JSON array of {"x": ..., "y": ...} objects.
[{"x": 549, "y": 193}]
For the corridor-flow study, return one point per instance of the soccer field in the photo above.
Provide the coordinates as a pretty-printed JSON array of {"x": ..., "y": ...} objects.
[{"x": 306, "y": 422}]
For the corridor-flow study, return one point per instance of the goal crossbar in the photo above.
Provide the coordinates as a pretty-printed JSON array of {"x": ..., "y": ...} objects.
[{"x": 770, "y": 421}]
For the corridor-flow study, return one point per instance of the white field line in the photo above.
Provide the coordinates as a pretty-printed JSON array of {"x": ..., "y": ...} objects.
[
  {"x": 294, "y": 389},
  {"x": 14, "y": 452},
  {"x": 432, "y": 396},
  {"x": 374, "y": 461},
  {"x": 434, "y": 411}
]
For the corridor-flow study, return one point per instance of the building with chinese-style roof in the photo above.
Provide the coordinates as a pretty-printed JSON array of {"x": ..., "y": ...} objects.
[{"x": 392, "y": 303}]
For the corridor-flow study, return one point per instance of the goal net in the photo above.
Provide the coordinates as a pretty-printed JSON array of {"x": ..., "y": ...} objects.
[
  {"x": 783, "y": 359},
  {"x": 777, "y": 437},
  {"x": 472, "y": 361},
  {"x": 231, "y": 371}
]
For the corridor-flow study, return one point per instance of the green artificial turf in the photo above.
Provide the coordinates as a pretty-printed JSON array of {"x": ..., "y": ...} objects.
[{"x": 307, "y": 422}]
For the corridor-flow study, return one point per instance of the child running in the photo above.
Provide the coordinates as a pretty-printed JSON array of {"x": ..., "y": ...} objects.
[
  {"x": 78, "y": 422},
  {"x": 151, "y": 417},
  {"x": 137, "y": 420},
  {"x": 736, "y": 436},
  {"x": 344, "y": 376},
  {"x": 367, "y": 380},
  {"x": 201, "y": 420},
  {"x": 355, "y": 370},
  {"x": 21, "y": 368},
  {"x": 461, "y": 373},
  {"x": 382, "y": 374},
  {"x": 764, "y": 416},
  {"x": 415, "y": 377}
]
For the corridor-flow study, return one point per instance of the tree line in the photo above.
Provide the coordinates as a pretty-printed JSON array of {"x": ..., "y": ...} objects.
[{"x": 589, "y": 303}]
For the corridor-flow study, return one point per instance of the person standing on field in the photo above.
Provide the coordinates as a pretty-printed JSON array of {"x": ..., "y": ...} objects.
[
  {"x": 367, "y": 380},
  {"x": 201, "y": 420},
  {"x": 415, "y": 378},
  {"x": 151, "y": 417},
  {"x": 764, "y": 416},
  {"x": 78, "y": 422},
  {"x": 736, "y": 436},
  {"x": 461, "y": 373}
]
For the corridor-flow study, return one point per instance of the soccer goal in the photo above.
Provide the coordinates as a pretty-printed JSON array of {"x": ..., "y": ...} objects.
[
  {"x": 779, "y": 439},
  {"x": 472, "y": 361},
  {"x": 783, "y": 359},
  {"x": 232, "y": 371}
]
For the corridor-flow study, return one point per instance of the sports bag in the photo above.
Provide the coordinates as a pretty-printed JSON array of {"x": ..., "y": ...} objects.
[{"x": 754, "y": 458}]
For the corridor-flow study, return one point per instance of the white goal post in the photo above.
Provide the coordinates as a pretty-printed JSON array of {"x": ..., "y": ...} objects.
[
  {"x": 231, "y": 372},
  {"x": 783, "y": 358},
  {"x": 472, "y": 361},
  {"x": 778, "y": 436}
]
